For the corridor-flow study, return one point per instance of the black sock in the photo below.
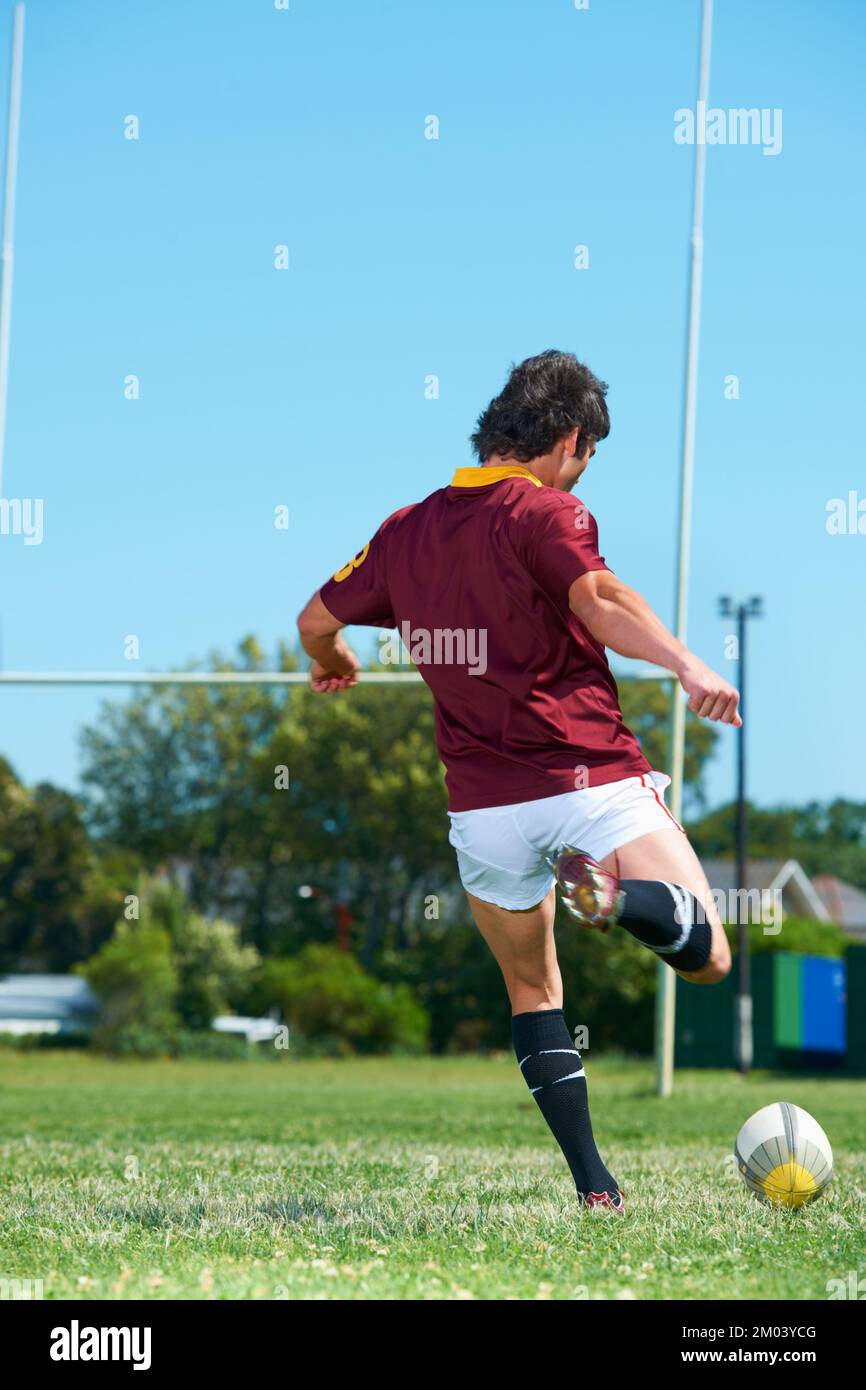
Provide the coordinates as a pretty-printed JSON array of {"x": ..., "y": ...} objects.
[
  {"x": 669, "y": 920},
  {"x": 553, "y": 1071}
]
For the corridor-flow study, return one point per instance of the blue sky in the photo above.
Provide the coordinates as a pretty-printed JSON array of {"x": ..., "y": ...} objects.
[{"x": 411, "y": 257}]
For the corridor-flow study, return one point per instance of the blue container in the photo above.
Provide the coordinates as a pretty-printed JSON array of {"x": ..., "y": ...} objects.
[{"x": 824, "y": 1005}]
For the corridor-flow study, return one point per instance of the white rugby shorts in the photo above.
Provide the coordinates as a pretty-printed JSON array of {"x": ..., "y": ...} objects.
[{"x": 504, "y": 852}]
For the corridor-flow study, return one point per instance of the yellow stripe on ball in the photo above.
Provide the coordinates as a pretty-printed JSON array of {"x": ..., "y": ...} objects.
[{"x": 789, "y": 1185}]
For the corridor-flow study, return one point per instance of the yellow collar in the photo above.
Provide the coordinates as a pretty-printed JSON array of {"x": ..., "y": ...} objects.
[{"x": 482, "y": 477}]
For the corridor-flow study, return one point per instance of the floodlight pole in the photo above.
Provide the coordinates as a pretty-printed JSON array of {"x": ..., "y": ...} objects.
[
  {"x": 6, "y": 254},
  {"x": 666, "y": 992},
  {"x": 752, "y": 608},
  {"x": 745, "y": 1050}
]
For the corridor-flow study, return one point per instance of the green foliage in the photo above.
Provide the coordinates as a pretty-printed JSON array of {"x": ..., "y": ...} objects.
[
  {"x": 189, "y": 773},
  {"x": 802, "y": 934},
  {"x": 208, "y": 1046},
  {"x": 214, "y": 970},
  {"x": 57, "y": 904},
  {"x": 610, "y": 985},
  {"x": 646, "y": 709},
  {"x": 166, "y": 975},
  {"x": 367, "y": 808},
  {"x": 455, "y": 978},
  {"x": 327, "y": 996},
  {"x": 192, "y": 775},
  {"x": 135, "y": 979},
  {"x": 827, "y": 839},
  {"x": 43, "y": 1042}
]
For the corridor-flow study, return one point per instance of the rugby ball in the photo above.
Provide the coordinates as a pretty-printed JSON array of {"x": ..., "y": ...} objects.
[{"x": 783, "y": 1155}]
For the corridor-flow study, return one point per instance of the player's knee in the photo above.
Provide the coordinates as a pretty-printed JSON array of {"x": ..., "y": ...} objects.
[
  {"x": 531, "y": 982},
  {"x": 716, "y": 969},
  {"x": 532, "y": 987}
]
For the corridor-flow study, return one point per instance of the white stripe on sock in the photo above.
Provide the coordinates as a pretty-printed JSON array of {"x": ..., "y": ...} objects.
[
  {"x": 682, "y": 913},
  {"x": 546, "y": 1052}
]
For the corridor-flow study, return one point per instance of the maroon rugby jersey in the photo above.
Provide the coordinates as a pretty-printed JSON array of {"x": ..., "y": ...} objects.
[{"x": 476, "y": 579}]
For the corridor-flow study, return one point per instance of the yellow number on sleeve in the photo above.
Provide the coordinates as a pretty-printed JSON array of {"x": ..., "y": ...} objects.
[{"x": 352, "y": 565}]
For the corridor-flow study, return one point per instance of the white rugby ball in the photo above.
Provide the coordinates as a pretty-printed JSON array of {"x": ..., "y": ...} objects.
[{"x": 783, "y": 1155}]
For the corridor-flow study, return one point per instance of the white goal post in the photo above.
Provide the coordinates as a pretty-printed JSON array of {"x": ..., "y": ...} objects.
[{"x": 646, "y": 672}]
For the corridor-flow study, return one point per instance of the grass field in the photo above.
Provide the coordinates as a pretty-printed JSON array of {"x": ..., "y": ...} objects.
[{"x": 418, "y": 1179}]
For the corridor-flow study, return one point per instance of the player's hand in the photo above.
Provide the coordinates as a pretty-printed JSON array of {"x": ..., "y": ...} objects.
[
  {"x": 341, "y": 676},
  {"x": 710, "y": 697}
]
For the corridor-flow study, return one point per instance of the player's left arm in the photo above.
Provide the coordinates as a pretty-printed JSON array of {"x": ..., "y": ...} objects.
[
  {"x": 562, "y": 553},
  {"x": 620, "y": 618},
  {"x": 334, "y": 664}
]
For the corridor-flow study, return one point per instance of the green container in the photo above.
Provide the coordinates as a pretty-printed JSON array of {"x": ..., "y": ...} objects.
[
  {"x": 856, "y": 1056},
  {"x": 764, "y": 1043},
  {"x": 788, "y": 999},
  {"x": 705, "y": 1028}
]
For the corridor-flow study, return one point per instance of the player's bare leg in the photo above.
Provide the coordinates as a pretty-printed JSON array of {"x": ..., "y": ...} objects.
[
  {"x": 525, "y": 951},
  {"x": 655, "y": 888},
  {"x": 667, "y": 855},
  {"x": 524, "y": 948}
]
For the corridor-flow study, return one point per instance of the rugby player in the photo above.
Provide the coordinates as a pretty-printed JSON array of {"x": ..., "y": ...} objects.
[{"x": 545, "y": 781}]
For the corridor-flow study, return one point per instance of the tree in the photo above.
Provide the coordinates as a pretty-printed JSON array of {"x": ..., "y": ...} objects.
[
  {"x": 257, "y": 791},
  {"x": 185, "y": 773},
  {"x": 367, "y": 807},
  {"x": 262, "y": 792},
  {"x": 214, "y": 971},
  {"x": 57, "y": 902},
  {"x": 646, "y": 709},
  {"x": 134, "y": 977},
  {"x": 330, "y": 999},
  {"x": 824, "y": 839}
]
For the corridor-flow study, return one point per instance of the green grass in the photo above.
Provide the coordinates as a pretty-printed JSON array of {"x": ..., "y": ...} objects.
[{"x": 420, "y": 1179}]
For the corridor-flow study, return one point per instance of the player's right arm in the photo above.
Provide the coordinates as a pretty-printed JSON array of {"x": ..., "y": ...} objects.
[
  {"x": 619, "y": 618},
  {"x": 334, "y": 664},
  {"x": 358, "y": 593}
]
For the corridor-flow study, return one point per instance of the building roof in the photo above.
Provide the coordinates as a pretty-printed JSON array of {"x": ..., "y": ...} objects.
[
  {"x": 823, "y": 897},
  {"x": 46, "y": 996},
  {"x": 844, "y": 903}
]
